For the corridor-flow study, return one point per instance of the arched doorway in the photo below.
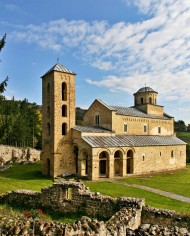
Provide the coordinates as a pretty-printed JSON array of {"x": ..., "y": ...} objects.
[
  {"x": 76, "y": 153},
  {"x": 48, "y": 167},
  {"x": 118, "y": 163},
  {"x": 103, "y": 164},
  {"x": 129, "y": 166}
]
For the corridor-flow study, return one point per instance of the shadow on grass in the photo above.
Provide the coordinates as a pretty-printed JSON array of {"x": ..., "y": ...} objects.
[
  {"x": 47, "y": 215},
  {"x": 24, "y": 172}
]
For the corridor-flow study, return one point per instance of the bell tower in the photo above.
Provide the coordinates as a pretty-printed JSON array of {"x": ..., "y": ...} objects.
[{"x": 58, "y": 118}]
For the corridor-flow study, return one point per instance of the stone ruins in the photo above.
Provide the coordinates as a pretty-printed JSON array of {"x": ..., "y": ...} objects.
[
  {"x": 103, "y": 215},
  {"x": 9, "y": 154}
]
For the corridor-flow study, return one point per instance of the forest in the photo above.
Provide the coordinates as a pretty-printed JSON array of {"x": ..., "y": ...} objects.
[{"x": 20, "y": 123}]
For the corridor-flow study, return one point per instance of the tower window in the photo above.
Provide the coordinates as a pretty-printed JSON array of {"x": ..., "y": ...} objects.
[
  {"x": 64, "y": 91},
  {"x": 97, "y": 120},
  {"x": 64, "y": 110},
  {"x": 64, "y": 129},
  {"x": 125, "y": 128},
  {"x": 145, "y": 128},
  {"x": 150, "y": 100}
]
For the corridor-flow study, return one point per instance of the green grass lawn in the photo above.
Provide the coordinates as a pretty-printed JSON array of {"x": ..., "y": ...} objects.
[
  {"x": 151, "y": 199},
  {"x": 30, "y": 177},
  {"x": 175, "y": 182},
  {"x": 23, "y": 177}
]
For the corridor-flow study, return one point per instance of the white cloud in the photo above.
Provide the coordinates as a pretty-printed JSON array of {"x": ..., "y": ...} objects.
[{"x": 154, "y": 51}]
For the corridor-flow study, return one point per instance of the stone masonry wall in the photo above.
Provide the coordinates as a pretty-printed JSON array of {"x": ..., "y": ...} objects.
[
  {"x": 165, "y": 218},
  {"x": 9, "y": 154},
  {"x": 125, "y": 216},
  {"x": 70, "y": 197}
]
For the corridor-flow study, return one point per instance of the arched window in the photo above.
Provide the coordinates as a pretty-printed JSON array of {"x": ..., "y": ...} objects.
[
  {"x": 172, "y": 153},
  {"x": 48, "y": 129},
  {"x": 142, "y": 101},
  {"x": 48, "y": 111},
  {"x": 64, "y": 91},
  {"x": 103, "y": 154},
  {"x": 64, "y": 129},
  {"x": 97, "y": 120},
  {"x": 117, "y": 154},
  {"x": 64, "y": 110},
  {"x": 150, "y": 100},
  {"x": 48, "y": 91}
]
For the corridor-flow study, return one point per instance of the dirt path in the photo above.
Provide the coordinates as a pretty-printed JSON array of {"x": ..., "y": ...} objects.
[{"x": 153, "y": 190}]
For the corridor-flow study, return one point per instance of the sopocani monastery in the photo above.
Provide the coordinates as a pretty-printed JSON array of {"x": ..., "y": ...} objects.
[{"x": 113, "y": 141}]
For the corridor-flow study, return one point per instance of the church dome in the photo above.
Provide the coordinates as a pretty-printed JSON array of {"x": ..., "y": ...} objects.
[{"x": 145, "y": 89}]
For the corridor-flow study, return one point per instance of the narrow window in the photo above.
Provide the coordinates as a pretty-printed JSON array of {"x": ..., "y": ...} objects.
[
  {"x": 159, "y": 130},
  {"x": 142, "y": 101},
  {"x": 64, "y": 91},
  {"x": 160, "y": 153},
  {"x": 145, "y": 128},
  {"x": 125, "y": 128},
  {"x": 64, "y": 110},
  {"x": 180, "y": 153},
  {"x": 172, "y": 153},
  {"x": 155, "y": 101},
  {"x": 64, "y": 129},
  {"x": 48, "y": 128},
  {"x": 143, "y": 157},
  {"x": 97, "y": 120},
  {"x": 150, "y": 100}
]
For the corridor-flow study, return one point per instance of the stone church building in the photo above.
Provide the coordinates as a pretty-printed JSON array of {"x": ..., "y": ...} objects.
[{"x": 113, "y": 141}]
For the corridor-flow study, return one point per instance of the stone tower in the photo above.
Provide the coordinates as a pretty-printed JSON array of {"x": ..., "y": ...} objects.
[{"x": 58, "y": 118}]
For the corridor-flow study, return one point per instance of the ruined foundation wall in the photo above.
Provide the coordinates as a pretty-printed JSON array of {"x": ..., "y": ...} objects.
[
  {"x": 71, "y": 197},
  {"x": 9, "y": 154},
  {"x": 155, "y": 216}
]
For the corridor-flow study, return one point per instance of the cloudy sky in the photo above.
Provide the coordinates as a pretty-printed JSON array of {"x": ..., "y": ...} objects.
[{"x": 114, "y": 46}]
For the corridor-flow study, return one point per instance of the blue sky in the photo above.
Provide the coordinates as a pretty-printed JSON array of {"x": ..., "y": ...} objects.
[{"x": 114, "y": 47}]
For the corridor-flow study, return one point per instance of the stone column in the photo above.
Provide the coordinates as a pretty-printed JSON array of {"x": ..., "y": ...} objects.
[
  {"x": 123, "y": 166},
  {"x": 111, "y": 166}
]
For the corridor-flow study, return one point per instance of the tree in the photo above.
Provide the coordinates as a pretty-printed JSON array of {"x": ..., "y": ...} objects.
[
  {"x": 180, "y": 126},
  {"x": 4, "y": 83}
]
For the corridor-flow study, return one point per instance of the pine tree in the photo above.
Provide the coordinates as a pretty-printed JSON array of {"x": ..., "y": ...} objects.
[{"x": 4, "y": 83}]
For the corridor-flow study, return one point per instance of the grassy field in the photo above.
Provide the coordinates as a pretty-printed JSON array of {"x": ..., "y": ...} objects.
[
  {"x": 29, "y": 177},
  {"x": 151, "y": 199},
  {"x": 23, "y": 177},
  {"x": 175, "y": 182}
]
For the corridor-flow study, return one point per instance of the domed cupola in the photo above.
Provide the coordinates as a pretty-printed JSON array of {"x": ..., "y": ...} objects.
[{"x": 145, "y": 95}]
